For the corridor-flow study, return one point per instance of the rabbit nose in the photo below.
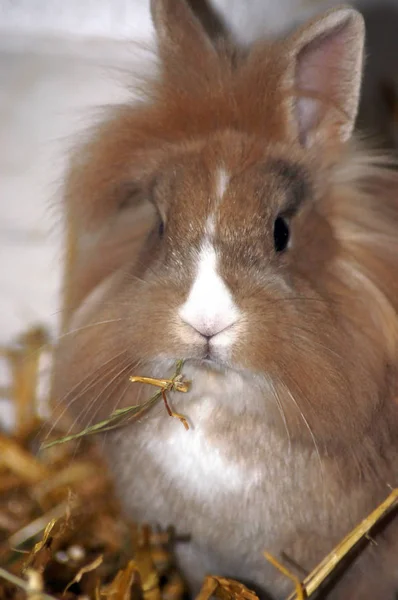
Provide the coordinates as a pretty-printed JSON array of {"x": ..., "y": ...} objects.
[
  {"x": 209, "y": 307},
  {"x": 208, "y": 329}
]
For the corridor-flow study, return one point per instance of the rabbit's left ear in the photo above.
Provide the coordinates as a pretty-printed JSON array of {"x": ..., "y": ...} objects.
[
  {"x": 183, "y": 44},
  {"x": 325, "y": 73}
]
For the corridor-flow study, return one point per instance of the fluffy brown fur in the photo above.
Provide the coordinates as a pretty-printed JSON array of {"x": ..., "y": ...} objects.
[{"x": 293, "y": 433}]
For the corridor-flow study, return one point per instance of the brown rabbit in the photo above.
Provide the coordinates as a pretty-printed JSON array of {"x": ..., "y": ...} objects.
[{"x": 231, "y": 221}]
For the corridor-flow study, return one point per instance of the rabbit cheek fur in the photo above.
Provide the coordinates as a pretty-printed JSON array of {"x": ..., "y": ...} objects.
[{"x": 290, "y": 343}]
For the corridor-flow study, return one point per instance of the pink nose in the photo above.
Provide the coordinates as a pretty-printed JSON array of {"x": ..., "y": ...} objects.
[
  {"x": 209, "y": 307},
  {"x": 209, "y": 327}
]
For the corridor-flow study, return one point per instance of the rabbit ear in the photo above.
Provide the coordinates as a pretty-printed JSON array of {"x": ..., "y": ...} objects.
[
  {"x": 181, "y": 39},
  {"x": 325, "y": 73}
]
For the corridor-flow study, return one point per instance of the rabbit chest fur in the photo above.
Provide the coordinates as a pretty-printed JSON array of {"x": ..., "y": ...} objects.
[{"x": 230, "y": 502}]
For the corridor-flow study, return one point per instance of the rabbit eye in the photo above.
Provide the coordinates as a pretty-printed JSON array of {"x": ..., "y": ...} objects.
[
  {"x": 281, "y": 234},
  {"x": 161, "y": 229}
]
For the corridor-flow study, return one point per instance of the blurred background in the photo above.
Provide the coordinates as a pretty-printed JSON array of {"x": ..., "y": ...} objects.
[{"x": 60, "y": 63}]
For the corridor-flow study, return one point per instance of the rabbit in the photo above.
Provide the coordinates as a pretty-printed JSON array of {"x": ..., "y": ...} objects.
[{"x": 232, "y": 219}]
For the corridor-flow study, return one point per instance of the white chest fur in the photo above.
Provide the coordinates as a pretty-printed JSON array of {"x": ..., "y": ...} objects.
[
  {"x": 206, "y": 457},
  {"x": 199, "y": 463}
]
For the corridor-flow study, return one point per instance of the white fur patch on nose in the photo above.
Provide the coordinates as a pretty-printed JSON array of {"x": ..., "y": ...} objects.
[
  {"x": 222, "y": 183},
  {"x": 209, "y": 307}
]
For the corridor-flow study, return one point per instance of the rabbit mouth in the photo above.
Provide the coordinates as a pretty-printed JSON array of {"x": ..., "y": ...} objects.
[{"x": 209, "y": 362}]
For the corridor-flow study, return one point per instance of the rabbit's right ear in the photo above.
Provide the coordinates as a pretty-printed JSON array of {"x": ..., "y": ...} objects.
[
  {"x": 182, "y": 41},
  {"x": 325, "y": 72}
]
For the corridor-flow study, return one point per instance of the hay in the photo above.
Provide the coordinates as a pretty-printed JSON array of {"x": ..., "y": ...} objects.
[
  {"x": 62, "y": 534},
  {"x": 122, "y": 416}
]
